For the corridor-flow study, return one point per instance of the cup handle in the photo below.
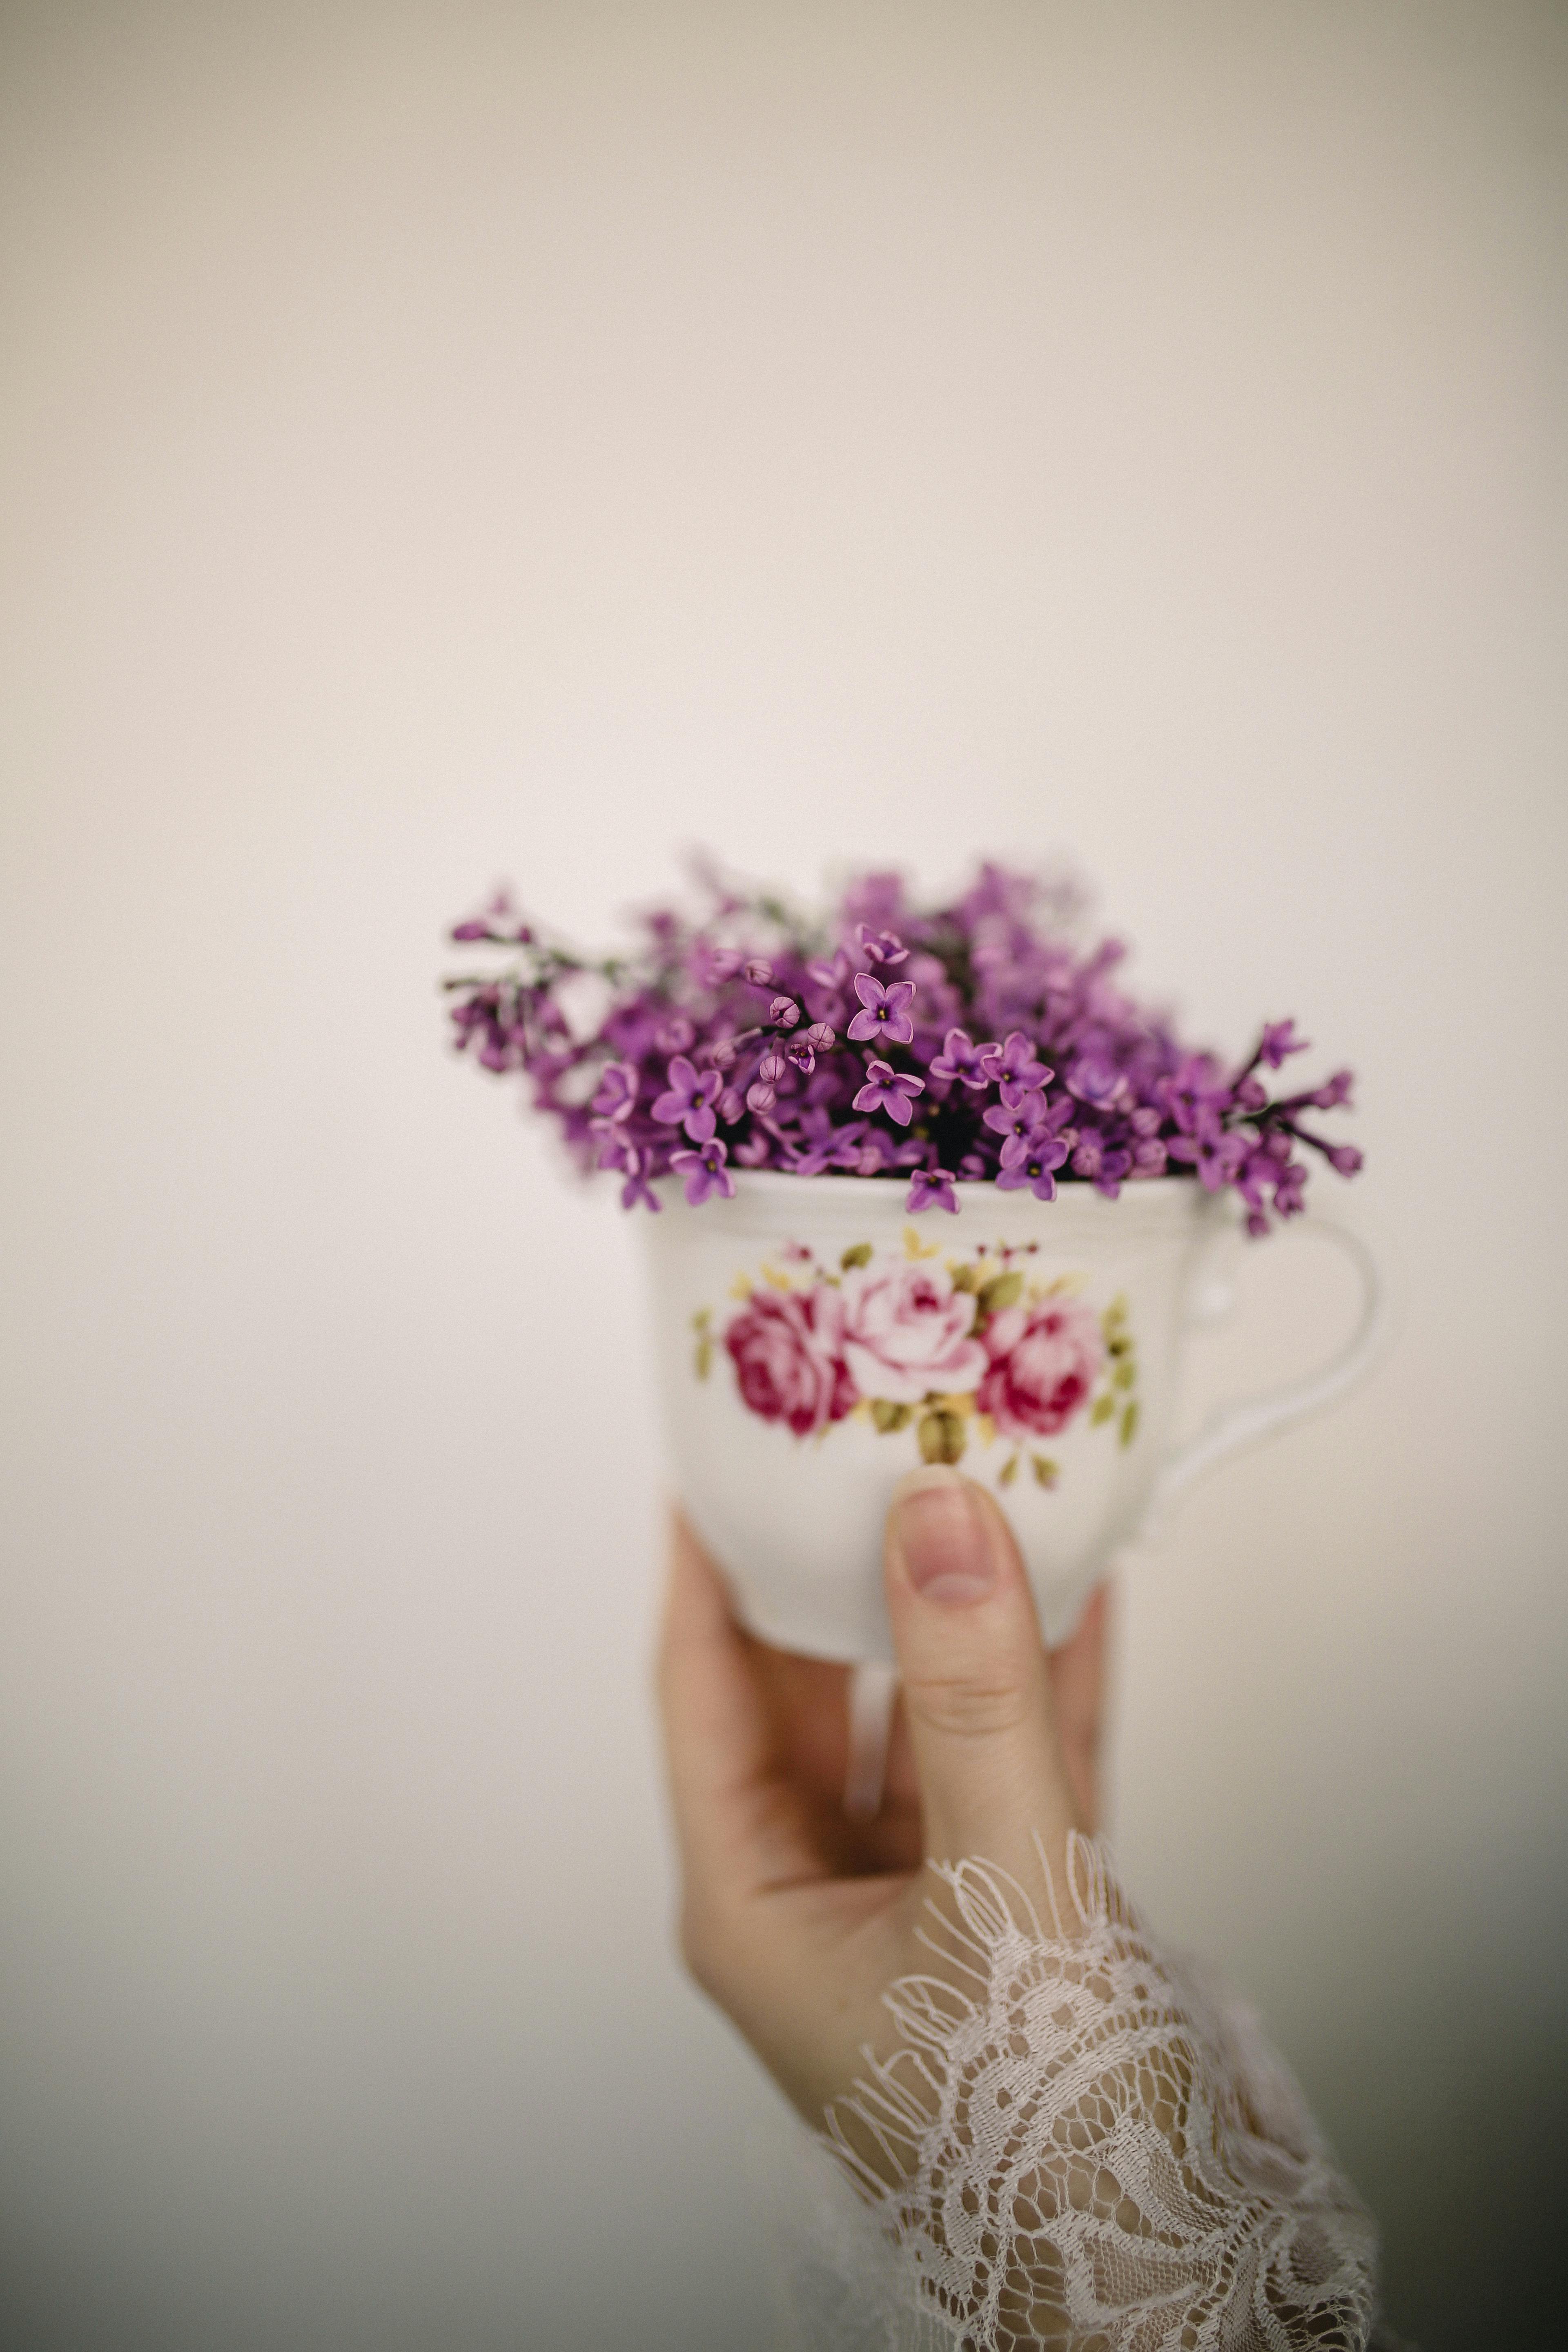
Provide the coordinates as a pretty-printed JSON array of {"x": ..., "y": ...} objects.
[{"x": 1233, "y": 1427}]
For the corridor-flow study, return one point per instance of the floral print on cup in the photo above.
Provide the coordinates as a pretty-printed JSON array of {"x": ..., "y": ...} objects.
[{"x": 953, "y": 1347}]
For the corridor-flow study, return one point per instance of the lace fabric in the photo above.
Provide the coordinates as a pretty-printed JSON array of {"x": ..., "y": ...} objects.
[{"x": 1081, "y": 2144}]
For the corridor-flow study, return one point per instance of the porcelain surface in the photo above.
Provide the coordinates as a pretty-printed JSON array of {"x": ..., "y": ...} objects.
[{"x": 814, "y": 1341}]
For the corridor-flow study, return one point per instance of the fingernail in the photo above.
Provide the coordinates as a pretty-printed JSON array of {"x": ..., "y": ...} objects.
[{"x": 943, "y": 1541}]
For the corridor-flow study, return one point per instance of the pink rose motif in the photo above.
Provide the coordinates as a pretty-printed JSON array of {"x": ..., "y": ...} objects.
[
  {"x": 786, "y": 1346},
  {"x": 1045, "y": 1360},
  {"x": 907, "y": 1330}
]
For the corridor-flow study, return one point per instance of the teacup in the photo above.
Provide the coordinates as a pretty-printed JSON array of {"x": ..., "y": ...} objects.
[{"x": 814, "y": 1341}]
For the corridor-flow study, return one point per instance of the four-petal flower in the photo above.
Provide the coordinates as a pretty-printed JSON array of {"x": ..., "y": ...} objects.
[
  {"x": 884, "y": 1012},
  {"x": 707, "y": 1173},
  {"x": 1035, "y": 1166},
  {"x": 931, "y": 1187},
  {"x": 959, "y": 1060},
  {"x": 890, "y": 1090},
  {"x": 1018, "y": 1062},
  {"x": 691, "y": 1099},
  {"x": 1020, "y": 1111},
  {"x": 617, "y": 1091}
]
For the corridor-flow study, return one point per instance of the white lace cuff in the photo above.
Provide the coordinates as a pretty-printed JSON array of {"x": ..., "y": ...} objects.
[{"x": 1095, "y": 2151}]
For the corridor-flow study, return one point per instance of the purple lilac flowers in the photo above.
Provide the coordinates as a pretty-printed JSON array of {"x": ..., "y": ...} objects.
[{"x": 978, "y": 1039}]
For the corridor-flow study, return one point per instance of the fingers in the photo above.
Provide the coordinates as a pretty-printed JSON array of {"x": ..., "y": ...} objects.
[
  {"x": 976, "y": 1687},
  {"x": 1078, "y": 1688},
  {"x": 714, "y": 1732},
  {"x": 738, "y": 1821}
]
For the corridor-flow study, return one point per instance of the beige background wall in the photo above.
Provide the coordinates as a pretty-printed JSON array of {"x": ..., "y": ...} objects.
[{"x": 443, "y": 442}]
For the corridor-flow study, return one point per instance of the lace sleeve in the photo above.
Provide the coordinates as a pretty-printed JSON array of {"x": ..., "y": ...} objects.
[{"x": 1093, "y": 2149}]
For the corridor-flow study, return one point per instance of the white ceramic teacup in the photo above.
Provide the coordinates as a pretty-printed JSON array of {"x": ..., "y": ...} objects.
[{"x": 814, "y": 1341}]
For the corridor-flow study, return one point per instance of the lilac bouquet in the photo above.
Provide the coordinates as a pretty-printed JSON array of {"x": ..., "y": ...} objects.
[{"x": 976, "y": 1041}]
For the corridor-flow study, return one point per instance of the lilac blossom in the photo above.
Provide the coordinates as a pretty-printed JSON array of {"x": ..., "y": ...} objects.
[
  {"x": 1088, "y": 1157},
  {"x": 1278, "y": 1039},
  {"x": 1016, "y": 1062},
  {"x": 1334, "y": 1094},
  {"x": 884, "y": 1012},
  {"x": 637, "y": 1187},
  {"x": 1021, "y": 1110},
  {"x": 679, "y": 1051},
  {"x": 689, "y": 1099},
  {"x": 708, "y": 1172},
  {"x": 1097, "y": 1082},
  {"x": 931, "y": 1187},
  {"x": 617, "y": 1091},
  {"x": 616, "y": 1148},
  {"x": 829, "y": 1147},
  {"x": 890, "y": 1090},
  {"x": 881, "y": 946},
  {"x": 1035, "y": 1166},
  {"x": 961, "y": 1061},
  {"x": 1288, "y": 1190},
  {"x": 1216, "y": 1158},
  {"x": 833, "y": 972},
  {"x": 497, "y": 924}
]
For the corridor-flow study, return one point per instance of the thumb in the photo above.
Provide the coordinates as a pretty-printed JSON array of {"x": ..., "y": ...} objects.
[{"x": 978, "y": 1698}]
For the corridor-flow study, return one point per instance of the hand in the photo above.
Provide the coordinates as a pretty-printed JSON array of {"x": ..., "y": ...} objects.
[{"x": 794, "y": 1918}]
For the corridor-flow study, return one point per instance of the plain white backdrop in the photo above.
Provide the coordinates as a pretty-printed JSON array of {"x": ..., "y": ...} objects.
[{"x": 449, "y": 442}]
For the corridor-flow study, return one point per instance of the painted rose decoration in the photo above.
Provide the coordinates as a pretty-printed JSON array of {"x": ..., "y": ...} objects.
[
  {"x": 955, "y": 1347},
  {"x": 1041, "y": 1366},
  {"x": 788, "y": 1353},
  {"x": 907, "y": 1330}
]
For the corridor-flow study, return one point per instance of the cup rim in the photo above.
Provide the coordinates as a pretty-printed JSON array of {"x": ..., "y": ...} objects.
[{"x": 775, "y": 1196}]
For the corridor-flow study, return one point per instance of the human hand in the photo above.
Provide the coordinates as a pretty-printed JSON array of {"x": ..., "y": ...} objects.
[{"x": 794, "y": 1918}]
